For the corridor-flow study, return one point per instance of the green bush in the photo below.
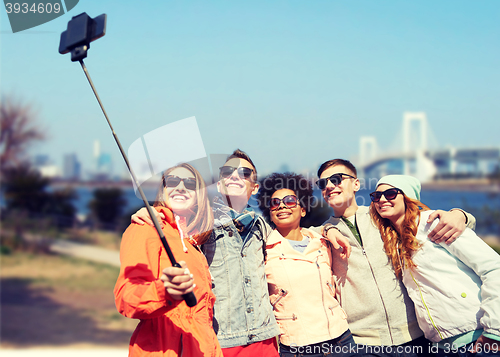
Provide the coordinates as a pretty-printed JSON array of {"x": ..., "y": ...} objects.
[{"x": 106, "y": 207}]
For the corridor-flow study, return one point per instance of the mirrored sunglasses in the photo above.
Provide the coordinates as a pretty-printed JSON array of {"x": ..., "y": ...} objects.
[
  {"x": 335, "y": 179},
  {"x": 289, "y": 201},
  {"x": 174, "y": 181},
  {"x": 243, "y": 172},
  {"x": 389, "y": 194}
]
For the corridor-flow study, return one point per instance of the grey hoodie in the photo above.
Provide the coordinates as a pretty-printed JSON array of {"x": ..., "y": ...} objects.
[{"x": 378, "y": 308}]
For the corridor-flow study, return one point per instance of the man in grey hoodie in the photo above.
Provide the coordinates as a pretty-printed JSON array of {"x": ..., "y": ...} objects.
[{"x": 381, "y": 316}]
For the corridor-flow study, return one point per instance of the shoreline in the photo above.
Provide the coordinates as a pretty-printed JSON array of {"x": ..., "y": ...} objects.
[{"x": 478, "y": 185}]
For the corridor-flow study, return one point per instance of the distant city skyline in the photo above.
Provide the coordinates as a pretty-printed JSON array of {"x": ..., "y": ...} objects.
[
  {"x": 101, "y": 166},
  {"x": 293, "y": 83}
]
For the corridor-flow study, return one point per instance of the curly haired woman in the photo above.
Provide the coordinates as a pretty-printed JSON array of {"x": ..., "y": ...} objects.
[{"x": 299, "y": 274}]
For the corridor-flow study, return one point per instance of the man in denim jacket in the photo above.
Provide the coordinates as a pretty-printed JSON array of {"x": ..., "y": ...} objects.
[{"x": 243, "y": 320}]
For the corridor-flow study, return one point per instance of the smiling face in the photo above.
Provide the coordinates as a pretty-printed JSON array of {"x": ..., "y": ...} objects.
[
  {"x": 393, "y": 210},
  {"x": 236, "y": 187},
  {"x": 179, "y": 199},
  {"x": 284, "y": 217},
  {"x": 340, "y": 196}
]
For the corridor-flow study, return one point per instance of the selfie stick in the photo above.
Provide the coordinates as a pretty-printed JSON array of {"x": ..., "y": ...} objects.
[{"x": 189, "y": 298}]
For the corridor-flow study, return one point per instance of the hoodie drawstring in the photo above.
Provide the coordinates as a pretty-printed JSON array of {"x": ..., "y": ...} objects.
[{"x": 177, "y": 220}]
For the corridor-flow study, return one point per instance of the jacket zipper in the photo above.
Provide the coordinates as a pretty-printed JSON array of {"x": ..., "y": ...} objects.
[
  {"x": 381, "y": 299},
  {"x": 281, "y": 295},
  {"x": 323, "y": 295},
  {"x": 293, "y": 317},
  {"x": 425, "y": 305},
  {"x": 373, "y": 274},
  {"x": 331, "y": 289}
]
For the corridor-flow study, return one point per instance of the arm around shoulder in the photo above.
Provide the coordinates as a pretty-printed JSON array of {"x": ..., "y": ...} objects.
[
  {"x": 450, "y": 226},
  {"x": 470, "y": 220}
]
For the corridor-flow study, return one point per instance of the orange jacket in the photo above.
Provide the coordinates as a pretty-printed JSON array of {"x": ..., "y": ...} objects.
[{"x": 168, "y": 327}]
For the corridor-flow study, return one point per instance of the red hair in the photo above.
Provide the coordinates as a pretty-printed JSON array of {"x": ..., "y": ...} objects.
[{"x": 400, "y": 246}]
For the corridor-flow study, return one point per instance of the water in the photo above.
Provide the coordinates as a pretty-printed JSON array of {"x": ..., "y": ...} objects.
[
  {"x": 446, "y": 200},
  {"x": 473, "y": 202}
]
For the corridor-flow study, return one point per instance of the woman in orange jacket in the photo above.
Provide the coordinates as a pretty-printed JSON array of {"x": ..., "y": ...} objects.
[{"x": 150, "y": 289}]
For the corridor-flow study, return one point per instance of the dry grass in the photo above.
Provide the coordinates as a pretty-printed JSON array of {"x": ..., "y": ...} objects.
[{"x": 52, "y": 300}]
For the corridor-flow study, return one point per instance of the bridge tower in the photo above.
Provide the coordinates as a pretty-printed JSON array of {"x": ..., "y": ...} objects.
[
  {"x": 409, "y": 145},
  {"x": 368, "y": 149}
]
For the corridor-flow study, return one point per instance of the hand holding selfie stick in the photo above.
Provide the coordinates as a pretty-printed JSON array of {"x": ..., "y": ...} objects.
[{"x": 81, "y": 31}]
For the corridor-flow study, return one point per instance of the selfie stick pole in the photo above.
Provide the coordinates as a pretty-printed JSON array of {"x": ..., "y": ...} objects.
[{"x": 189, "y": 298}]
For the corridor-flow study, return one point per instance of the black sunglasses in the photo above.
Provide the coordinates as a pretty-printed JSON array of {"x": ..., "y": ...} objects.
[
  {"x": 289, "y": 201},
  {"x": 335, "y": 179},
  {"x": 389, "y": 194},
  {"x": 174, "y": 181},
  {"x": 243, "y": 172}
]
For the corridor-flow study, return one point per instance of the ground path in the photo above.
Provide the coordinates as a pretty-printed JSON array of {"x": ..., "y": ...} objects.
[{"x": 84, "y": 251}]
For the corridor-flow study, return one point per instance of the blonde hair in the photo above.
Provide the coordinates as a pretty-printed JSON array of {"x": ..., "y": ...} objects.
[
  {"x": 201, "y": 221},
  {"x": 400, "y": 246}
]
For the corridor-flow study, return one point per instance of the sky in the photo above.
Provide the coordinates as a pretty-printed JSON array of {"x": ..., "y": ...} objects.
[{"x": 292, "y": 83}]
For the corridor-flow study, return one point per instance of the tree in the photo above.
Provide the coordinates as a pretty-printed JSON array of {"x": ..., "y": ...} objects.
[
  {"x": 19, "y": 128},
  {"x": 30, "y": 204},
  {"x": 61, "y": 208},
  {"x": 107, "y": 206},
  {"x": 25, "y": 190}
]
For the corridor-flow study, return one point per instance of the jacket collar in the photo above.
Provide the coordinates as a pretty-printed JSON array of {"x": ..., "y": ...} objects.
[
  {"x": 361, "y": 210},
  {"x": 276, "y": 237},
  {"x": 219, "y": 205},
  {"x": 169, "y": 215},
  {"x": 242, "y": 221}
]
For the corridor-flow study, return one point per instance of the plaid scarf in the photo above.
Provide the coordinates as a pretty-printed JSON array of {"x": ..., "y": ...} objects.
[{"x": 242, "y": 221}]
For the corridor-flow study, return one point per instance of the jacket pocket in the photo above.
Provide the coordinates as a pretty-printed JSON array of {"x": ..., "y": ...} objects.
[
  {"x": 287, "y": 317},
  {"x": 280, "y": 296},
  {"x": 336, "y": 309}
]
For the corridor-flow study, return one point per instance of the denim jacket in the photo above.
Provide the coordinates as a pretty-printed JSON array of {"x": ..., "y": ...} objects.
[{"x": 243, "y": 313}]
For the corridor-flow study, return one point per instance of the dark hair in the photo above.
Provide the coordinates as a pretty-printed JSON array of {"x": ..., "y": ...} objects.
[
  {"x": 239, "y": 154},
  {"x": 337, "y": 162},
  {"x": 288, "y": 180}
]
